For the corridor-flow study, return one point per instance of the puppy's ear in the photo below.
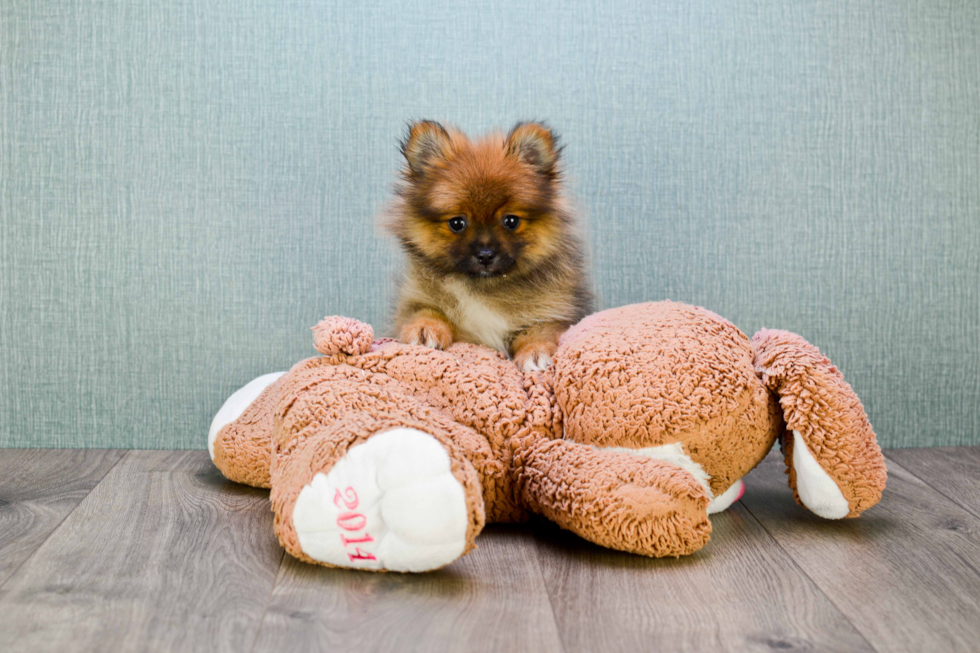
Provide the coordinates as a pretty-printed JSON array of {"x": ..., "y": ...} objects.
[
  {"x": 427, "y": 142},
  {"x": 536, "y": 145}
]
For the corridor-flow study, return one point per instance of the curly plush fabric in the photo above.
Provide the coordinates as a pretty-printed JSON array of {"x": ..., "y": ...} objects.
[
  {"x": 616, "y": 500},
  {"x": 650, "y": 412},
  {"x": 342, "y": 335}
]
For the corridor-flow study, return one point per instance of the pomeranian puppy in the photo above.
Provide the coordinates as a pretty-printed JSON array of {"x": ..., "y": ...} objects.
[{"x": 494, "y": 251}]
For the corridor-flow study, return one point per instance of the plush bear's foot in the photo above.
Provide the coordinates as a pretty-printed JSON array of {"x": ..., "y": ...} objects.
[
  {"x": 390, "y": 503},
  {"x": 240, "y": 436},
  {"x": 236, "y": 404}
]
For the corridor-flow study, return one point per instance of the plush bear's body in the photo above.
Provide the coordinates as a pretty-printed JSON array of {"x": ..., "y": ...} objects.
[{"x": 389, "y": 456}]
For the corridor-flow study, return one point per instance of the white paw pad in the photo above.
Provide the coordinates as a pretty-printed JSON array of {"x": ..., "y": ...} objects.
[
  {"x": 816, "y": 489},
  {"x": 390, "y": 503},
  {"x": 723, "y": 501}
]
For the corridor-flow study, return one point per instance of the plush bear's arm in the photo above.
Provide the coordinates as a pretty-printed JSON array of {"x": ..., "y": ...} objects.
[
  {"x": 616, "y": 500},
  {"x": 835, "y": 465}
]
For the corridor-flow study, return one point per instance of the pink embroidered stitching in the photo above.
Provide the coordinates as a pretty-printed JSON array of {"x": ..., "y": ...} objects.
[{"x": 352, "y": 521}]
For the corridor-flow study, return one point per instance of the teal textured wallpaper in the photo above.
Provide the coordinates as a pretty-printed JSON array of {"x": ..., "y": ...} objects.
[{"x": 186, "y": 186}]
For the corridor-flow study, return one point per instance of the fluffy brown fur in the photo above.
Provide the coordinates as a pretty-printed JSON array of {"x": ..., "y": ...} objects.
[{"x": 494, "y": 253}]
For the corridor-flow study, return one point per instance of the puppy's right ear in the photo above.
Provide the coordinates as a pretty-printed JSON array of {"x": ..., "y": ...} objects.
[{"x": 427, "y": 142}]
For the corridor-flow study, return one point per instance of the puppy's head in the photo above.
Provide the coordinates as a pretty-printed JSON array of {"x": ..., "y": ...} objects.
[{"x": 483, "y": 208}]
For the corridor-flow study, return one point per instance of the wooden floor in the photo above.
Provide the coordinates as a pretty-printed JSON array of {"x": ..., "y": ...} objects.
[{"x": 155, "y": 551}]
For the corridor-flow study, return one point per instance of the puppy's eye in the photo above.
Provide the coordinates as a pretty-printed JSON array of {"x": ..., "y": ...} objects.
[
  {"x": 511, "y": 221},
  {"x": 457, "y": 224}
]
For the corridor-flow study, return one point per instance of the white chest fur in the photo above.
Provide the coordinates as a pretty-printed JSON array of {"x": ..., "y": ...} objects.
[{"x": 477, "y": 319}]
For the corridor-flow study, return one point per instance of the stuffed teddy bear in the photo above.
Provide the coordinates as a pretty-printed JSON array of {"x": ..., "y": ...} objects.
[{"x": 385, "y": 456}]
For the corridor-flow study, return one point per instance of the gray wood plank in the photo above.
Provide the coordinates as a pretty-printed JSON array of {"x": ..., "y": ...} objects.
[
  {"x": 905, "y": 573},
  {"x": 490, "y": 600},
  {"x": 163, "y": 555},
  {"x": 38, "y": 489},
  {"x": 952, "y": 471},
  {"x": 739, "y": 593}
]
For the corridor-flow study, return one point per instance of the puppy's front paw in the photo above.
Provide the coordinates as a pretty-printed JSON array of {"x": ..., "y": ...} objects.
[
  {"x": 428, "y": 332},
  {"x": 534, "y": 359}
]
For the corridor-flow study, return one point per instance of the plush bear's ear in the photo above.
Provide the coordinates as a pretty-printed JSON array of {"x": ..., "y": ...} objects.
[
  {"x": 536, "y": 145},
  {"x": 427, "y": 142}
]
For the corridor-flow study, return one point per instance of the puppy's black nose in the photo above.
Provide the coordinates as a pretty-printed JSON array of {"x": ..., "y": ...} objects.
[{"x": 485, "y": 255}]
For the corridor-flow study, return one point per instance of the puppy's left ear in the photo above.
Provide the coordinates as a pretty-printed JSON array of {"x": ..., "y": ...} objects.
[
  {"x": 427, "y": 142},
  {"x": 536, "y": 145}
]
